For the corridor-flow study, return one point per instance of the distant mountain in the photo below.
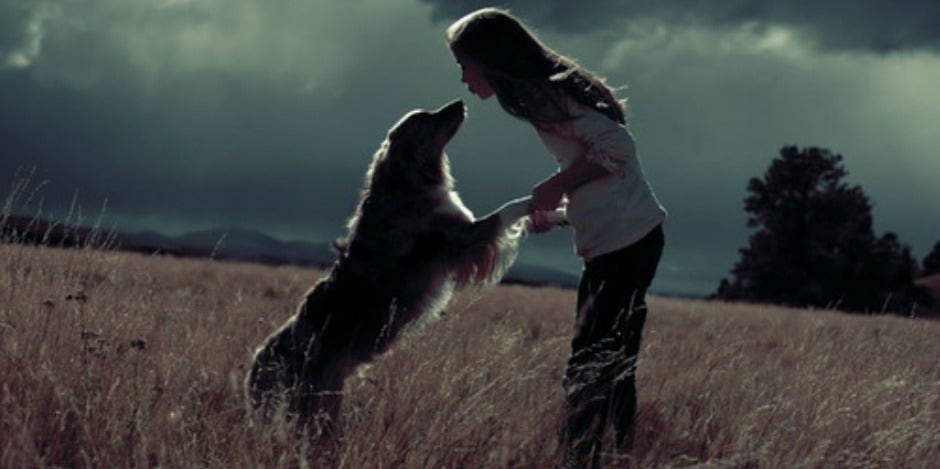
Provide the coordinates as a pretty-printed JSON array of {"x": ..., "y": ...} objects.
[
  {"x": 253, "y": 246},
  {"x": 233, "y": 244},
  {"x": 527, "y": 274},
  {"x": 236, "y": 244}
]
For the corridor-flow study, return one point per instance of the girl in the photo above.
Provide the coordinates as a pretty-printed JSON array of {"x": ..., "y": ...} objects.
[{"x": 610, "y": 206}]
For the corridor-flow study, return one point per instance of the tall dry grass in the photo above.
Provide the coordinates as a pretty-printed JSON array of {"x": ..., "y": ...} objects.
[{"x": 110, "y": 359}]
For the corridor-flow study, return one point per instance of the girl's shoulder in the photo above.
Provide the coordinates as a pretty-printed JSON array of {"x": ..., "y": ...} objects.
[
  {"x": 579, "y": 119},
  {"x": 579, "y": 110}
]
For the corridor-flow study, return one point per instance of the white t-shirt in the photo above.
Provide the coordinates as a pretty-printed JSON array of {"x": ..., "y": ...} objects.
[{"x": 613, "y": 211}]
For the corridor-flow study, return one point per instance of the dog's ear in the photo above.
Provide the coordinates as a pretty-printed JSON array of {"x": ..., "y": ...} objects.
[{"x": 406, "y": 129}]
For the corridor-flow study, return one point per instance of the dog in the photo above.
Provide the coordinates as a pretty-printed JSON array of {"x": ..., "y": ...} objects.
[{"x": 411, "y": 243}]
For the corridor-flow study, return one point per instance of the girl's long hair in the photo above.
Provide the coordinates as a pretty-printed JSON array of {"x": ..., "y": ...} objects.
[{"x": 530, "y": 79}]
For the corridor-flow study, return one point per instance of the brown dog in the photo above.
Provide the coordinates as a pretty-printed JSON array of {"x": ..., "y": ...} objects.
[{"x": 410, "y": 243}]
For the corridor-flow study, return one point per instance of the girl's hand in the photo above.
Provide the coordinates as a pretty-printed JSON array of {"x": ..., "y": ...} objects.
[
  {"x": 540, "y": 222},
  {"x": 546, "y": 195}
]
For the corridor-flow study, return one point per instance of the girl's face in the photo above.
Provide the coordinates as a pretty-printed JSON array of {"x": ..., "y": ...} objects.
[{"x": 472, "y": 74}]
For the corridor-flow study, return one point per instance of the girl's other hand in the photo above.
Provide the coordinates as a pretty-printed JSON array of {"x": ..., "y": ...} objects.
[{"x": 540, "y": 222}]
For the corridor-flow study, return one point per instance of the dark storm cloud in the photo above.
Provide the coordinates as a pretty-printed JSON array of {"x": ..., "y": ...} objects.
[
  {"x": 189, "y": 114},
  {"x": 243, "y": 115},
  {"x": 19, "y": 33},
  {"x": 859, "y": 25},
  {"x": 212, "y": 150},
  {"x": 14, "y": 20},
  {"x": 182, "y": 154}
]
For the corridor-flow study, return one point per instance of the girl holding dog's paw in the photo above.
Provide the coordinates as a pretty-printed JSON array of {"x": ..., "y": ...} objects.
[{"x": 615, "y": 216}]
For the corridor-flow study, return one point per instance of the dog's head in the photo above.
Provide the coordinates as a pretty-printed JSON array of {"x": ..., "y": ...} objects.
[
  {"x": 404, "y": 178},
  {"x": 412, "y": 156}
]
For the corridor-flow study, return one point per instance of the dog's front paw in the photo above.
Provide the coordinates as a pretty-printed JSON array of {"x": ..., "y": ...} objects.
[{"x": 541, "y": 221}]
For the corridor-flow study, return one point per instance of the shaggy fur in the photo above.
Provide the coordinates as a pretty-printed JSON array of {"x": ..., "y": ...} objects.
[{"x": 410, "y": 243}]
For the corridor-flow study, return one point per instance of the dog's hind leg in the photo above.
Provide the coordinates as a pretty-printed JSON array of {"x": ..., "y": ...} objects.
[
  {"x": 271, "y": 374},
  {"x": 317, "y": 399}
]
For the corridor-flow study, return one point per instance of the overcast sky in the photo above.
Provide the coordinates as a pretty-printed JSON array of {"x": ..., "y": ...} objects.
[{"x": 194, "y": 114}]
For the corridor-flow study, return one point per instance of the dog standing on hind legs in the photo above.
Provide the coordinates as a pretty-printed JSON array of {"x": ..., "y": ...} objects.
[{"x": 411, "y": 242}]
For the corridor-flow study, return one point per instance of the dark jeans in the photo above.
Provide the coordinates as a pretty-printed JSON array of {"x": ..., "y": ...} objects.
[{"x": 600, "y": 380}]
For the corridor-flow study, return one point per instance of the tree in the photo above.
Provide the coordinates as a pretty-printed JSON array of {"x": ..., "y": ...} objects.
[
  {"x": 931, "y": 263},
  {"x": 814, "y": 244}
]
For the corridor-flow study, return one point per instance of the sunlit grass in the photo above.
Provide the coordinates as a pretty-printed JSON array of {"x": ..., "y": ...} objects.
[{"x": 112, "y": 359}]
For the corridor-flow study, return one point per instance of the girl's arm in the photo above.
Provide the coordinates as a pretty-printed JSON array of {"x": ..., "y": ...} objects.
[
  {"x": 608, "y": 148},
  {"x": 547, "y": 194}
]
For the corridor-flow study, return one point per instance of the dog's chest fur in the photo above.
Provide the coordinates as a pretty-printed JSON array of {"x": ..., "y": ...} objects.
[
  {"x": 450, "y": 204},
  {"x": 368, "y": 283}
]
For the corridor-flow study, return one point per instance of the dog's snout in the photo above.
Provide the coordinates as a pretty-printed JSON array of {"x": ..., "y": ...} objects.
[{"x": 453, "y": 107}]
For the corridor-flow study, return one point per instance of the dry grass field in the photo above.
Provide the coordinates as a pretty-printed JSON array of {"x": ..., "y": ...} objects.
[{"x": 110, "y": 359}]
